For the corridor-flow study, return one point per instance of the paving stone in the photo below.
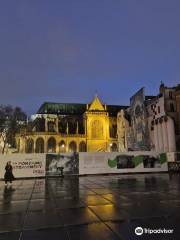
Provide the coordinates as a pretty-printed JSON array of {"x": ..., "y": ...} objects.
[
  {"x": 78, "y": 216},
  {"x": 11, "y": 222},
  {"x": 10, "y": 235},
  {"x": 108, "y": 212},
  {"x": 46, "y": 234},
  {"x": 92, "y": 232},
  {"x": 39, "y": 220},
  {"x": 93, "y": 207}
]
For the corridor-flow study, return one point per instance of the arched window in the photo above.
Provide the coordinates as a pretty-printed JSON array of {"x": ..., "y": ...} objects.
[
  {"x": 39, "y": 145},
  {"x": 51, "y": 145},
  {"x": 62, "y": 125},
  {"x": 72, "y": 147},
  {"x": 30, "y": 146},
  {"x": 40, "y": 124},
  {"x": 62, "y": 146},
  {"x": 51, "y": 126},
  {"x": 114, "y": 147},
  {"x": 72, "y": 126},
  {"x": 82, "y": 147}
]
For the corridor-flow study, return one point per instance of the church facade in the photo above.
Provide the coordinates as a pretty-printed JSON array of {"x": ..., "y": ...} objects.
[
  {"x": 149, "y": 123},
  {"x": 60, "y": 127}
]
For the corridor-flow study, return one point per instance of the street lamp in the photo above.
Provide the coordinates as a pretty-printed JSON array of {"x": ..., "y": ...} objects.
[{"x": 110, "y": 146}]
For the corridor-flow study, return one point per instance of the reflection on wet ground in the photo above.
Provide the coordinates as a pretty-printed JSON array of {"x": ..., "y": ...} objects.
[{"x": 92, "y": 207}]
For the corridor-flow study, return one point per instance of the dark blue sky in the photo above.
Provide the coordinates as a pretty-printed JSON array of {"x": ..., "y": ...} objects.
[{"x": 65, "y": 51}]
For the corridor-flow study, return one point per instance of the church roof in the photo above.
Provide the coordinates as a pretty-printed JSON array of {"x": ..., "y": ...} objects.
[
  {"x": 62, "y": 108},
  {"x": 75, "y": 108},
  {"x": 96, "y": 105}
]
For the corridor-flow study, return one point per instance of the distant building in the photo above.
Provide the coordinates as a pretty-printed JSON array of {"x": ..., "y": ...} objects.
[
  {"x": 171, "y": 104},
  {"x": 59, "y": 127},
  {"x": 161, "y": 126},
  {"x": 154, "y": 120},
  {"x": 177, "y": 97}
]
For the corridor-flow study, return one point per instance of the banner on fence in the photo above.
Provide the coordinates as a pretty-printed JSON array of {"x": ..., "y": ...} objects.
[
  {"x": 24, "y": 165},
  {"x": 69, "y": 162},
  {"x": 51, "y": 164},
  {"x": 99, "y": 163}
]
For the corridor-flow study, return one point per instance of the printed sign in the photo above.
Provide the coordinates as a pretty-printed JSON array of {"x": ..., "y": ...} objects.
[
  {"x": 24, "y": 165},
  {"x": 97, "y": 163},
  {"x": 68, "y": 162}
]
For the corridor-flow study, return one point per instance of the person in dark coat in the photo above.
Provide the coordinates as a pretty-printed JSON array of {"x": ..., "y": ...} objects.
[{"x": 8, "y": 176}]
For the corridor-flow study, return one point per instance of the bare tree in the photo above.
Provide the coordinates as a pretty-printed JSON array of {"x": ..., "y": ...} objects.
[{"x": 11, "y": 120}]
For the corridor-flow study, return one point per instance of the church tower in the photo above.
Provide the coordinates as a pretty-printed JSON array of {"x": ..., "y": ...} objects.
[{"x": 97, "y": 126}]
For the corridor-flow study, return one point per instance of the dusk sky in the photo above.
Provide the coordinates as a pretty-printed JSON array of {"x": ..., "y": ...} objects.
[{"x": 66, "y": 51}]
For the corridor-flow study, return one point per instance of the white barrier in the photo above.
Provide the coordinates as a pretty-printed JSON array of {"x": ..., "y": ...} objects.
[
  {"x": 24, "y": 165},
  {"x": 40, "y": 165},
  {"x": 129, "y": 162}
]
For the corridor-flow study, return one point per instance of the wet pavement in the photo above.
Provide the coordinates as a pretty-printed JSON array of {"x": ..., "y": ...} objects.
[{"x": 92, "y": 207}]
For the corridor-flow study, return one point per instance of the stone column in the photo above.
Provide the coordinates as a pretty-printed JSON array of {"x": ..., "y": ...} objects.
[
  {"x": 57, "y": 123},
  {"x": 57, "y": 146},
  {"x": 77, "y": 128},
  {"x": 160, "y": 138},
  {"x": 156, "y": 143},
  {"x": 85, "y": 126},
  {"x": 45, "y": 145},
  {"x": 46, "y": 125},
  {"x": 152, "y": 138},
  {"x": 77, "y": 144},
  {"x": 171, "y": 135},
  {"x": 34, "y": 147},
  {"x": 22, "y": 148},
  {"x": 67, "y": 147},
  {"x": 165, "y": 137}
]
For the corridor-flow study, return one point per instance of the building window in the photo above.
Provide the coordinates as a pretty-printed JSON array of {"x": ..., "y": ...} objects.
[
  {"x": 51, "y": 127},
  {"x": 30, "y": 146},
  {"x": 62, "y": 146},
  {"x": 159, "y": 110},
  {"x": 172, "y": 107},
  {"x": 82, "y": 147},
  {"x": 113, "y": 147},
  {"x": 52, "y": 145},
  {"x": 72, "y": 147},
  {"x": 40, "y": 124},
  {"x": 39, "y": 145},
  {"x": 170, "y": 95}
]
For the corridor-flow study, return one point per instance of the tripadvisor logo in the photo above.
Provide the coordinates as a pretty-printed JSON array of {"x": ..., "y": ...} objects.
[{"x": 139, "y": 231}]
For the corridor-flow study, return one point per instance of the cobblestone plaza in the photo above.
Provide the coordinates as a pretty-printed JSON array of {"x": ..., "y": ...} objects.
[{"x": 90, "y": 207}]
